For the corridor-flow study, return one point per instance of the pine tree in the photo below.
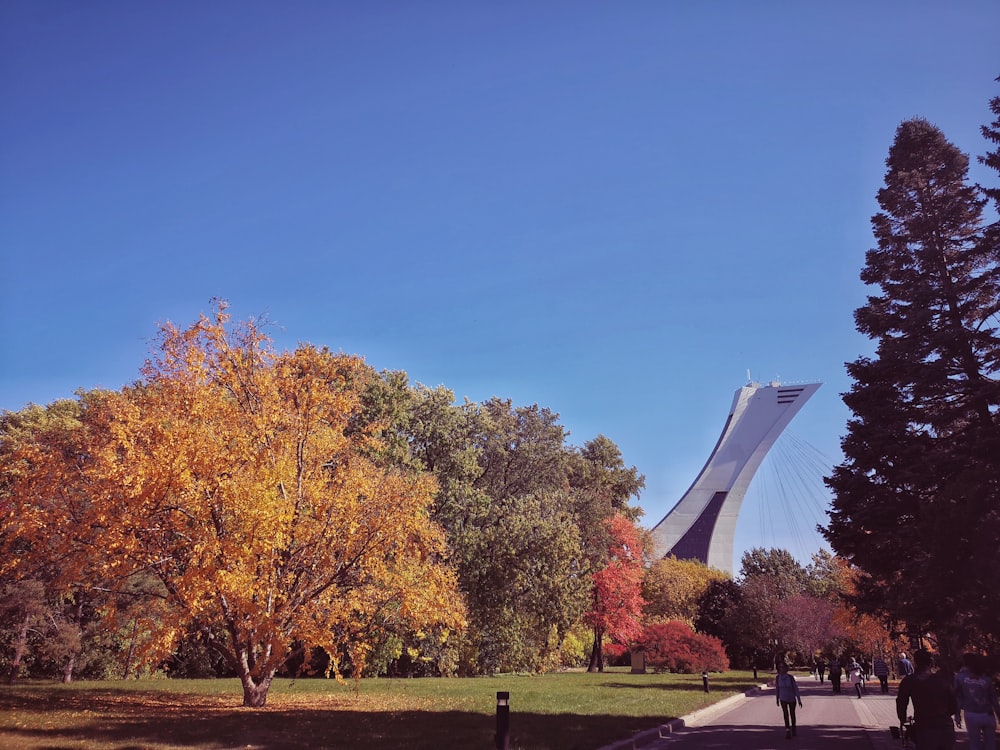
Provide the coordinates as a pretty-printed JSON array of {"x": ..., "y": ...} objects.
[
  {"x": 991, "y": 159},
  {"x": 916, "y": 500}
]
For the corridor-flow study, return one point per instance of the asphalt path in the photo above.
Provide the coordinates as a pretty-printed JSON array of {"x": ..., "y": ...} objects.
[{"x": 753, "y": 722}]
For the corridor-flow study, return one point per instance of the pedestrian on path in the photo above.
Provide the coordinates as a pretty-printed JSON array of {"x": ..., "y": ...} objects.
[
  {"x": 905, "y": 665},
  {"x": 856, "y": 677},
  {"x": 820, "y": 668},
  {"x": 933, "y": 705},
  {"x": 881, "y": 670},
  {"x": 787, "y": 694},
  {"x": 977, "y": 697},
  {"x": 835, "y": 672}
]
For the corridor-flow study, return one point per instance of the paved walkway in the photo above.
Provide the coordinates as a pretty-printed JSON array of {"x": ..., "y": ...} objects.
[{"x": 754, "y": 722}]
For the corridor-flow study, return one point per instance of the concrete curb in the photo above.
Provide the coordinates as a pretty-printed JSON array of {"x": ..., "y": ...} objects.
[{"x": 647, "y": 736}]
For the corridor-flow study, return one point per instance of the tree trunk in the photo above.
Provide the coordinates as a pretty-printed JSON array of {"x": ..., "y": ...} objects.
[
  {"x": 68, "y": 667},
  {"x": 131, "y": 651},
  {"x": 20, "y": 649},
  {"x": 597, "y": 653},
  {"x": 256, "y": 682},
  {"x": 255, "y": 691},
  {"x": 76, "y": 621}
]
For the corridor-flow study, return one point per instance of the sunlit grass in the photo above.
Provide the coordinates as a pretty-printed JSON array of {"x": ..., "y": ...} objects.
[{"x": 570, "y": 711}]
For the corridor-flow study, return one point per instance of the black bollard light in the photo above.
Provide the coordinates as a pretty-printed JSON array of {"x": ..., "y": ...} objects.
[
  {"x": 704, "y": 680},
  {"x": 503, "y": 721}
]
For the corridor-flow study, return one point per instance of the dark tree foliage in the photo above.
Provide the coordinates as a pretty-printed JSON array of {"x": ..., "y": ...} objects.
[
  {"x": 718, "y": 616},
  {"x": 991, "y": 159},
  {"x": 916, "y": 504}
]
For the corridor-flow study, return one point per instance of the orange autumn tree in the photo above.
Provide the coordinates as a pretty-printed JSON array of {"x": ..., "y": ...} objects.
[
  {"x": 42, "y": 450},
  {"x": 50, "y": 544},
  {"x": 239, "y": 480}
]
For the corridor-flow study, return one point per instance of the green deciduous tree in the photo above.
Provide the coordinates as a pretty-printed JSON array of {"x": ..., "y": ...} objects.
[
  {"x": 786, "y": 574},
  {"x": 827, "y": 576},
  {"x": 917, "y": 499},
  {"x": 523, "y": 511},
  {"x": 504, "y": 502},
  {"x": 521, "y": 547},
  {"x": 602, "y": 486}
]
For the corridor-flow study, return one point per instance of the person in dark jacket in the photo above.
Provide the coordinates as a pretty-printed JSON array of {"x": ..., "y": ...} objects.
[
  {"x": 934, "y": 705},
  {"x": 835, "y": 672},
  {"x": 881, "y": 670},
  {"x": 820, "y": 669}
]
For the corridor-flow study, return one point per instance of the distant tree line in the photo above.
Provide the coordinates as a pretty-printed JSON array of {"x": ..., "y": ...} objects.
[
  {"x": 240, "y": 511},
  {"x": 243, "y": 511}
]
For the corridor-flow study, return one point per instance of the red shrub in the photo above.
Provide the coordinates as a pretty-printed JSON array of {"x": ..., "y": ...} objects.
[{"x": 675, "y": 647}]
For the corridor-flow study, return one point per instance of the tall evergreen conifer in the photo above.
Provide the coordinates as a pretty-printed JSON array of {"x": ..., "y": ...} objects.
[{"x": 916, "y": 501}]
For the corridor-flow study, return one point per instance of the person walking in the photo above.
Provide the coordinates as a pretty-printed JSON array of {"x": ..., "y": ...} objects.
[
  {"x": 820, "y": 669},
  {"x": 905, "y": 666},
  {"x": 881, "y": 670},
  {"x": 933, "y": 705},
  {"x": 976, "y": 695},
  {"x": 786, "y": 694},
  {"x": 857, "y": 677},
  {"x": 835, "y": 672}
]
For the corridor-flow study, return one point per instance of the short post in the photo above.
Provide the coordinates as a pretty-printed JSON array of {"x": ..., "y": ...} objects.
[
  {"x": 503, "y": 721},
  {"x": 638, "y": 662},
  {"x": 704, "y": 680}
]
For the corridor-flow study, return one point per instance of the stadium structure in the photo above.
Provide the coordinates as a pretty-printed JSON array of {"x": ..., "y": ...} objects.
[{"x": 702, "y": 523}]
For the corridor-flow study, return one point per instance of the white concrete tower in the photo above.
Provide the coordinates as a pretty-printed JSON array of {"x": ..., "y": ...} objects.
[{"x": 702, "y": 524}]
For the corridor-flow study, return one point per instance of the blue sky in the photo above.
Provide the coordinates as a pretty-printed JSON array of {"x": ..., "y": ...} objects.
[{"x": 614, "y": 210}]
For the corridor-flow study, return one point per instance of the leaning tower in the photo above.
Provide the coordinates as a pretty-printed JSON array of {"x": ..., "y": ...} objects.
[{"x": 702, "y": 524}]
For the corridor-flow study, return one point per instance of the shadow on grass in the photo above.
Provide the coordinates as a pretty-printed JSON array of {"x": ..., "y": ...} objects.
[
  {"x": 104, "y": 719},
  {"x": 411, "y": 730}
]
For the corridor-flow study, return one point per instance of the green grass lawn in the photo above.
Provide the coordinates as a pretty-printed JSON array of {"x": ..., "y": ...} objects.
[{"x": 569, "y": 711}]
